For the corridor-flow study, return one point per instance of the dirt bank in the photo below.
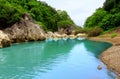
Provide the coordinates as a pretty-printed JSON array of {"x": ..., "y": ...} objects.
[{"x": 111, "y": 57}]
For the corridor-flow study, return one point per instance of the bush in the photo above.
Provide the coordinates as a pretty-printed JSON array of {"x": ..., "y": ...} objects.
[
  {"x": 79, "y": 30},
  {"x": 42, "y": 25},
  {"x": 64, "y": 24},
  {"x": 93, "y": 31},
  {"x": 113, "y": 35},
  {"x": 108, "y": 31}
]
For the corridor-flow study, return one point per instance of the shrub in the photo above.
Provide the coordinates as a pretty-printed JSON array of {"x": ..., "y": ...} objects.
[
  {"x": 42, "y": 25},
  {"x": 93, "y": 31},
  {"x": 113, "y": 35},
  {"x": 79, "y": 30},
  {"x": 64, "y": 24},
  {"x": 108, "y": 31}
]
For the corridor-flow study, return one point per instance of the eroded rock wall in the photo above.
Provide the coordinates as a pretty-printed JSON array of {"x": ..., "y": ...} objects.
[{"x": 25, "y": 30}]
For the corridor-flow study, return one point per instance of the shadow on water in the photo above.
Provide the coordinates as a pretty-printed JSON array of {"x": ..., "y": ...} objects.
[
  {"x": 45, "y": 59},
  {"x": 96, "y": 47}
]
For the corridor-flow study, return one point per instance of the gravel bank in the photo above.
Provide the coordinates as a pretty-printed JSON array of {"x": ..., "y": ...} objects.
[{"x": 111, "y": 57}]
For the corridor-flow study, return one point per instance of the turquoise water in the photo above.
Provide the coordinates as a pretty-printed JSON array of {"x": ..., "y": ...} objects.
[{"x": 54, "y": 59}]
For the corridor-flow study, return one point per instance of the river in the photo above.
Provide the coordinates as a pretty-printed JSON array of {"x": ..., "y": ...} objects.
[{"x": 54, "y": 59}]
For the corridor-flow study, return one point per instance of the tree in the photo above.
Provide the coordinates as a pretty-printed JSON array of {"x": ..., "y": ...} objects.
[
  {"x": 107, "y": 17},
  {"x": 12, "y": 10},
  {"x": 9, "y": 14},
  {"x": 64, "y": 24},
  {"x": 109, "y": 4},
  {"x": 96, "y": 18}
]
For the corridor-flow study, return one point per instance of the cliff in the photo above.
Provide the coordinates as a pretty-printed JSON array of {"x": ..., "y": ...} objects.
[{"x": 25, "y": 30}]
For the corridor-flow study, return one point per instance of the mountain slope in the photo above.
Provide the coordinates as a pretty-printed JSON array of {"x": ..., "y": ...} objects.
[
  {"x": 107, "y": 17},
  {"x": 11, "y": 11}
]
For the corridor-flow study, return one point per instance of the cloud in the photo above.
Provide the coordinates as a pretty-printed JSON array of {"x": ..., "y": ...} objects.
[{"x": 78, "y": 10}]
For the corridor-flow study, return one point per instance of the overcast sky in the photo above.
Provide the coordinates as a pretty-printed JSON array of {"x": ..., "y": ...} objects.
[{"x": 78, "y": 10}]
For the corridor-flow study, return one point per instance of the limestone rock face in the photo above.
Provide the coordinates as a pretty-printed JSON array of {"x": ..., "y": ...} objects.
[
  {"x": 25, "y": 30},
  {"x": 4, "y": 39}
]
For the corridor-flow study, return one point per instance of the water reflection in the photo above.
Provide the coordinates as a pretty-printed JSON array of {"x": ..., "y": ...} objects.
[{"x": 96, "y": 47}]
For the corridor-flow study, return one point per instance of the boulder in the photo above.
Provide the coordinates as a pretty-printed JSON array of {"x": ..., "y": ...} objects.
[
  {"x": 49, "y": 34},
  {"x": 25, "y": 30},
  {"x": 57, "y": 35},
  {"x": 53, "y": 35},
  {"x": 81, "y": 35},
  {"x": 4, "y": 39},
  {"x": 72, "y": 36},
  {"x": 64, "y": 36},
  {"x": 99, "y": 67}
]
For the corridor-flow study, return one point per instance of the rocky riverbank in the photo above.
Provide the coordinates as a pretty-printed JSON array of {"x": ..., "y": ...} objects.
[
  {"x": 27, "y": 30},
  {"x": 58, "y": 35},
  {"x": 4, "y": 39},
  {"x": 111, "y": 57},
  {"x": 24, "y": 30},
  {"x": 17, "y": 34}
]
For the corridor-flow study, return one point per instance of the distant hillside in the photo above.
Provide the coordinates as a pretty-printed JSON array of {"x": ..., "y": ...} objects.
[
  {"x": 107, "y": 17},
  {"x": 11, "y": 11}
]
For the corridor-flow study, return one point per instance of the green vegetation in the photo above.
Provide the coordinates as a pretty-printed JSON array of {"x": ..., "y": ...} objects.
[
  {"x": 79, "y": 30},
  {"x": 108, "y": 31},
  {"x": 95, "y": 31},
  {"x": 107, "y": 17},
  {"x": 113, "y": 35},
  {"x": 64, "y": 24},
  {"x": 9, "y": 14},
  {"x": 12, "y": 10}
]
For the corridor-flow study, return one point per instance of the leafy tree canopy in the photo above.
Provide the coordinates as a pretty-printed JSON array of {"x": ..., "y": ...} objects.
[
  {"x": 12, "y": 10},
  {"x": 107, "y": 17}
]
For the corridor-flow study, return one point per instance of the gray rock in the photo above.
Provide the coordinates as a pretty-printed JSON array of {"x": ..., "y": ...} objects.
[
  {"x": 99, "y": 67},
  {"x": 25, "y": 30},
  {"x": 4, "y": 39}
]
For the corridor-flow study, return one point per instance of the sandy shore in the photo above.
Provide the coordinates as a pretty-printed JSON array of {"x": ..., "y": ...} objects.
[{"x": 111, "y": 57}]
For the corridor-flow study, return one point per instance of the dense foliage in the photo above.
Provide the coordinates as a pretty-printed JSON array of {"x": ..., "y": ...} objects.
[
  {"x": 12, "y": 10},
  {"x": 9, "y": 13},
  {"x": 107, "y": 17},
  {"x": 64, "y": 20}
]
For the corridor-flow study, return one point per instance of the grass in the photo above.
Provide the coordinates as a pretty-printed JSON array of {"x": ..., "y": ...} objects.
[{"x": 113, "y": 35}]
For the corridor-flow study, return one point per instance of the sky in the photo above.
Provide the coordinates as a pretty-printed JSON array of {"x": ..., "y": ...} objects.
[{"x": 78, "y": 10}]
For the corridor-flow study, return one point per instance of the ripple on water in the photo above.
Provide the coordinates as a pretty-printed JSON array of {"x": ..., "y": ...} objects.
[{"x": 54, "y": 59}]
